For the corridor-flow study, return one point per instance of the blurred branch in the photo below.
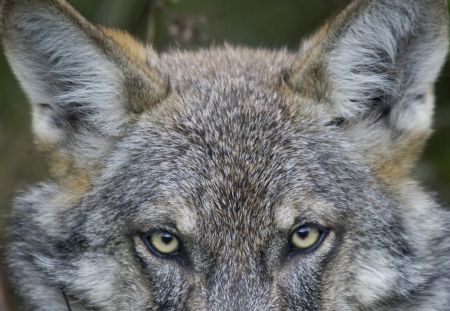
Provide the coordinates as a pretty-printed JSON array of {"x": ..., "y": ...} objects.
[
  {"x": 115, "y": 12},
  {"x": 150, "y": 12},
  {"x": 3, "y": 306},
  {"x": 136, "y": 16}
]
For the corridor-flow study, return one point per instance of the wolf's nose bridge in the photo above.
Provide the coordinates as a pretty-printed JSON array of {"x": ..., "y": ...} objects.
[{"x": 239, "y": 286}]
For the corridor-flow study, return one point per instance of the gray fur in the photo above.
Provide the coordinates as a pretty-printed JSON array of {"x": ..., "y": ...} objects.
[{"x": 246, "y": 146}]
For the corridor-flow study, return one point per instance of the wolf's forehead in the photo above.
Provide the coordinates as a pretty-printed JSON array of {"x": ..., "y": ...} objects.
[
  {"x": 186, "y": 68},
  {"x": 232, "y": 144},
  {"x": 229, "y": 162},
  {"x": 225, "y": 143}
]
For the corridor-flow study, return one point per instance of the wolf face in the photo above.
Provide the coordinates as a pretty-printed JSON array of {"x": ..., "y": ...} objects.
[{"x": 230, "y": 178}]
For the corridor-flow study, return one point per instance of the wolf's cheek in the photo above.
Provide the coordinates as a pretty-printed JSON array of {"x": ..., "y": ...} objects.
[
  {"x": 374, "y": 280},
  {"x": 379, "y": 276},
  {"x": 98, "y": 274}
]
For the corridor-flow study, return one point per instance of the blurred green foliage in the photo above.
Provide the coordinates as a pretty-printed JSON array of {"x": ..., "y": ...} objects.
[{"x": 192, "y": 24}]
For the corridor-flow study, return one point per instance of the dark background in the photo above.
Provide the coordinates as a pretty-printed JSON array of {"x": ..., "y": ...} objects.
[{"x": 191, "y": 24}]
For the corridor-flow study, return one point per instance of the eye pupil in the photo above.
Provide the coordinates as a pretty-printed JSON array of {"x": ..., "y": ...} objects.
[
  {"x": 166, "y": 238},
  {"x": 303, "y": 233}
]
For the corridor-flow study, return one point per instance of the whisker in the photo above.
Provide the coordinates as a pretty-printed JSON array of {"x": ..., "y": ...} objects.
[{"x": 66, "y": 301}]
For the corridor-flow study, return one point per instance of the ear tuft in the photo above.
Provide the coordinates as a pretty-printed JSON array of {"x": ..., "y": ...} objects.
[{"x": 144, "y": 84}]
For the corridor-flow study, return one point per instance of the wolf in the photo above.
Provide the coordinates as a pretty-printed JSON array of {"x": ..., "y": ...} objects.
[{"x": 230, "y": 178}]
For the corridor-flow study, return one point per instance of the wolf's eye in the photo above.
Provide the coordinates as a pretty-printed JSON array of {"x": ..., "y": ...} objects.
[
  {"x": 308, "y": 237},
  {"x": 162, "y": 242}
]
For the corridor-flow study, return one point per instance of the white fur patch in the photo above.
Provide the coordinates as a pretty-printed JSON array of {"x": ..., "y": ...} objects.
[{"x": 375, "y": 279}]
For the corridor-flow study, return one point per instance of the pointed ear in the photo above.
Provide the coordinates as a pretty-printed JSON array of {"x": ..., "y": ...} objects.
[
  {"x": 375, "y": 66},
  {"x": 84, "y": 82}
]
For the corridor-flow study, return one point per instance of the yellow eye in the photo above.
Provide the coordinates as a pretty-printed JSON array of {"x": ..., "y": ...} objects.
[
  {"x": 164, "y": 243},
  {"x": 307, "y": 237}
]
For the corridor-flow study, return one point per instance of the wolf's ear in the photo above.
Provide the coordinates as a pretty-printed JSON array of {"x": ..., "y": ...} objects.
[
  {"x": 84, "y": 82},
  {"x": 376, "y": 64}
]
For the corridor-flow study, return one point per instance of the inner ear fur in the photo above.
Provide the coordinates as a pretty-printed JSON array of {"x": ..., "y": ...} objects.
[
  {"x": 374, "y": 66},
  {"x": 85, "y": 83},
  {"x": 132, "y": 57}
]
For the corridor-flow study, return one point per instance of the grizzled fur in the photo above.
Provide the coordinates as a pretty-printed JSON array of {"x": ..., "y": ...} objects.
[{"x": 231, "y": 149}]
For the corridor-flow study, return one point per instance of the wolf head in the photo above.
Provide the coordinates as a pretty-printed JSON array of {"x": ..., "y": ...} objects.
[{"x": 230, "y": 178}]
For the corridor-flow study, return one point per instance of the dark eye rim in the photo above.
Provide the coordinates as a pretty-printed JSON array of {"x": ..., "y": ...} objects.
[
  {"x": 324, "y": 232},
  {"x": 145, "y": 238}
]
